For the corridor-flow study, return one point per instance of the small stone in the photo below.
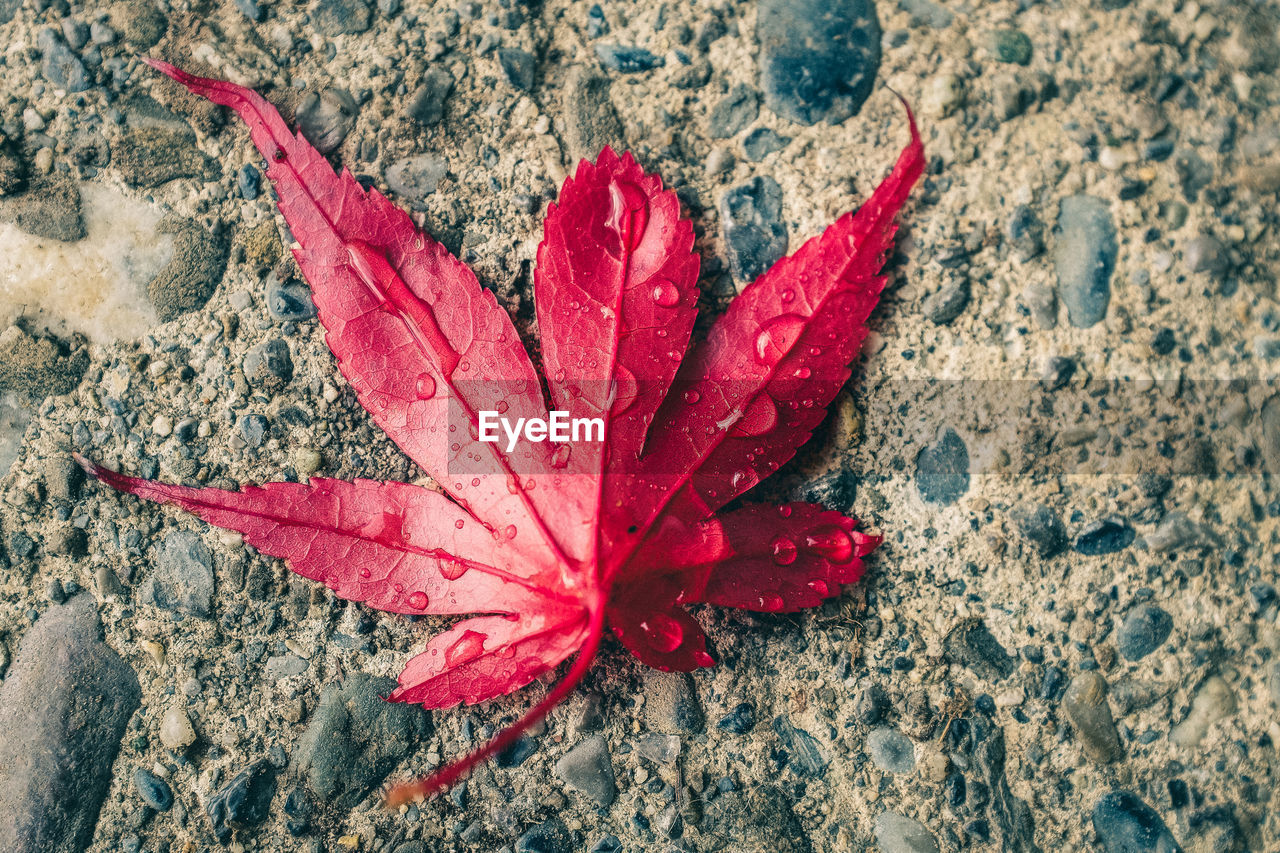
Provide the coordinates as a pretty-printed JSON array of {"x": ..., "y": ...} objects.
[
  {"x": 63, "y": 478},
  {"x": 719, "y": 161},
  {"x": 804, "y": 754},
  {"x": 1125, "y": 824},
  {"x": 944, "y": 94},
  {"x": 818, "y": 60},
  {"x": 426, "y": 105},
  {"x": 183, "y": 580},
  {"x": 518, "y": 67},
  {"x": 734, "y": 112},
  {"x": 326, "y": 117},
  {"x": 759, "y": 819},
  {"x": 1214, "y": 700},
  {"x": 341, "y": 17},
  {"x": 1058, "y": 371},
  {"x": 306, "y": 461},
  {"x": 76, "y": 32},
  {"x": 288, "y": 299},
  {"x": 415, "y": 178},
  {"x": 1042, "y": 302},
  {"x": 590, "y": 118},
  {"x": 151, "y": 156},
  {"x": 269, "y": 366},
  {"x": 1025, "y": 233},
  {"x": 100, "y": 32},
  {"x": 626, "y": 59},
  {"x": 588, "y": 769},
  {"x": 253, "y": 429},
  {"x": 1086, "y": 705},
  {"x": 1106, "y": 536},
  {"x": 1205, "y": 254},
  {"x": 948, "y": 302},
  {"x": 897, "y": 833},
  {"x": 891, "y": 751},
  {"x": 1143, "y": 631},
  {"x": 740, "y": 720},
  {"x": 762, "y": 142},
  {"x": 243, "y": 802},
  {"x": 660, "y": 749},
  {"x": 142, "y": 24},
  {"x": 972, "y": 644},
  {"x": 199, "y": 261},
  {"x": 59, "y": 63},
  {"x": 871, "y": 705},
  {"x": 1085, "y": 257},
  {"x": 248, "y": 182},
  {"x": 1011, "y": 46},
  {"x": 942, "y": 470},
  {"x": 155, "y": 792},
  {"x": 550, "y": 836},
  {"x": 671, "y": 704},
  {"x": 751, "y": 214},
  {"x": 50, "y": 208},
  {"x": 1042, "y": 527},
  {"x": 176, "y": 731}
]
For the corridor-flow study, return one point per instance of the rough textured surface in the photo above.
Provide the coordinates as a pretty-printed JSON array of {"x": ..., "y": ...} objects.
[{"x": 64, "y": 706}]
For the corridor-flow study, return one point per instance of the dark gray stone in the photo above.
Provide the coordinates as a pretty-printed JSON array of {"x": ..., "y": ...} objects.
[
  {"x": 588, "y": 769},
  {"x": 1205, "y": 254},
  {"x": 426, "y": 105},
  {"x": 733, "y": 112},
  {"x": 326, "y": 117},
  {"x": 64, "y": 706},
  {"x": 153, "y": 790},
  {"x": 1143, "y": 631},
  {"x": 1085, "y": 258},
  {"x": 1125, "y": 824},
  {"x": 757, "y": 820},
  {"x": 897, "y": 833},
  {"x": 1009, "y": 818},
  {"x": 627, "y": 60},
  {"x": 289, "y": 300},
  {"x": 871, "y": 705},
  {"x": 762, "y": 142},
  {"x": 550, "y": 836},
  {"x": 1011, "y": 46},
  {"x": 891, "y": 750},
  {"x": 806, "y": 757},
  {"x": 243, "y": 802},
  {"x": 1042, "y": 527},
  {"x": 341, "y": 17},
  {"x": 740, "y": 720},
  {"x": 518, "y": 67},
  {"x": 1025, "y": 233},
  {"x": 415, "y": 178},
  {"x": 971, "y": 644},
  {"x": 1104, "y": 537},
  {"x": 193, "y": 273},
  {"x": 183, "y": 580},
  {"x": 818, "y": 59},
  {"x": 590, "y": 118},
  {"x": 1086, "y": 705},
  {"x": 947, "y": 302},
  {"x": 59, "y": 63},
  {"x": 942, "y": 470},
  {"x": 671, "y": 704},
  {"x": 269, "y": 366},
  {"x": 751, "y": 214},
  {"x": 355, "y": 738}
]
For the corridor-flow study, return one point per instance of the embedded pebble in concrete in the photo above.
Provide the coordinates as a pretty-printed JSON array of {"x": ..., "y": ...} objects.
[
  {"x": 897, "y": 833},
  {"x": 891, "y": 751},
  {"x": 1126, "y": 824},
  {"x": 588, "y": 769},
  {"x": 753, "y": 229},
  {"x": 1086, "y": 705},
  {"x": 1144, "y": 630},
  {"x": 1085, "y": 258}
]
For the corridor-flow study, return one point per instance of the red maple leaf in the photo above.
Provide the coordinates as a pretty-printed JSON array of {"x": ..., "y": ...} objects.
[{"x": 550, "y": 542}]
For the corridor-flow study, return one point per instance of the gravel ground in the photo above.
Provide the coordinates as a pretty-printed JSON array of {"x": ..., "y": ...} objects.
[{"x": 1067, "y": 425}]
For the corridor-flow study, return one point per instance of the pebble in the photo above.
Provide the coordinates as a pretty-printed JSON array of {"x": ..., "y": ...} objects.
[
  {"x": 1085, "y": 257},
  {"x": 947, "y": 302},
  {"x": 151, "y": 156},
  {"x": 944, "y": 94},
  {"x": 891, "y": 751},
  {"x": 818, "y": 60},
  {"x": 269, "y": 366},
  {"x": 243, "y": 802},
  {"x": 341, "y": 17},
  {"x": 734, "y": 112},
  {"x": 590, "y": 119},
  {"x": 1042, "y": 528},
  {"x": 897, "y": 833},
  {"x": 1012, "y": 46},
  {"x": 155, "y": 792},
  {"x": 804, "y": 754},
  {"x": 1214, "y": 700},
  {"x": 415, "y": 178},
  {"x": 942, "y": 469},
  {"x": 355, "y": 738},
  {"x": 1105, "y": 536},
  {"x": 757, "y": 819},
  {"x": 64, "y": 706},
  {"x": 1205, "y": 254},
  {"x": 1125, "y": 824},
  {"x": 671, "y": 703},
  {"x": 658, "y": 748},
  {"x": 100, "y": 32},
  {"x": 426, "y": 105},
  {"x": 971, "y": 644},
  {"x": 253, "y": 429},
  {"x": 248, "y": 182},
  {"x": 326, "y": 117},
  {"x": 627, "y": 60},
  {"x": 59, "y": 63},
  {"x": 740, "y": 720},
  {"x": 176, "y": 731},
  {"x": 1086, "y": 705},
  {"x": 871, "y": 705},
  {"x": 762, "y": 142},
  {"x": 518, "y": 67},
  {"x": 76, "y": 32},
  {"x": 1143, "y": 631},
  {"x": 1025, "y": 233},
  {"x": 550, "y": 836},
  {"x": 288, "y": 300},
  {"x": 588, "y": 769},
  {"x": 753, "y": 229},
  {"x": 183, "y": 579}
]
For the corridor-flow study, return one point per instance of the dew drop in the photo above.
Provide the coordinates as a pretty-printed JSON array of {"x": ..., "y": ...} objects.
[
  {"x": 771, "y": 602},
  {"x": 829, "y": 542},
  {"x": 760, "y": 417},
  {"x": 425, "y": 387},
  {"x": 628, "y": 213},
  {"x": 701, "y": 658},
  {"x": 784, "y": 511},
  {"x": 460, "y": 523},
  {"x": 663, "y": 633},
  {"x": 784, "y": 551},
  {"x": 386, "y": 528},
  {"x": 665, "y": 294},
  {"x": 509, "y": 531},
  {"x": 623, "y": 391},
  {"x": 820, "y": 588},
  {"x": 502, "y": 407},
  {"x": 418, "y": 600},
  {"x": 776, "y": 337},
  {"x": 366, "y": 574},
  {"x": 560, "y": 458},
  {"x": 802, "y": 373},
  {"x": 788, "y": 295},
  {"x": 453, "y": 569},
  {"x": 692, "y": 397},
  {"x": 467, "y": 647},
  {"x": 743, "y": 480},
  {"x": 398, "y": 587}
]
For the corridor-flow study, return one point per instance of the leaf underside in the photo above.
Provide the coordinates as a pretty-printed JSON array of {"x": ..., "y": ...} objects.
[{"x": 543, "y": 546}]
